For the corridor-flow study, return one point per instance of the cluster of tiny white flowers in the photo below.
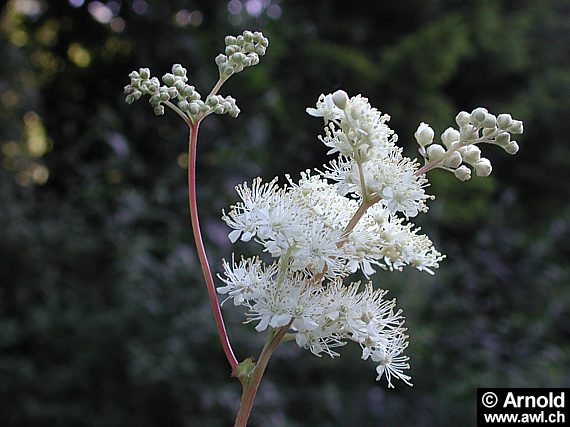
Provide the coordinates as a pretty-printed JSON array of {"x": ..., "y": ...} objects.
[
  {"x": 322, "y": 316},
  {"x": 352, "y": 215},
  {"x": 370, "y": 164},
  {"x": 459, "y": 148}
]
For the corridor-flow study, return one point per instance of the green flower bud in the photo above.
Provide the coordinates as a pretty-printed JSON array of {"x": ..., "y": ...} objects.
[
  {"x": 194, "y": 108},
  {"x": 230, "y": 50},
  {"x": 221, "y": 59},
  {"x": 172, "y": 92},
  {"x": 130, "y": 98},
  {"x": 159, "y": 110},
  {"x": 212, "y": 101},
  {"x": 219, "y": 110},
  {"x": 183, "y": 105},
  {"x": 168, "y": 79},
  {"x": 144, "y": 73},
  {"x": 188, "y": 91},
  {"x": 164, "y": 96},
  {"x": 178, "y": 70},
  {"x": 229, "y": 40},
  {"x": 248, "y": 36},
  {"x": 134, "y": 75},
  {"x": 238, "y": 57}
]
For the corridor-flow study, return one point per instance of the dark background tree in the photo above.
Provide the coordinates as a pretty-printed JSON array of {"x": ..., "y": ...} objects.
[{"x": 104, "y": 319}]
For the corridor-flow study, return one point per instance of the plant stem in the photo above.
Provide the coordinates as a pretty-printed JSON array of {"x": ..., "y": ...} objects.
[
  {"x": 193, "y": 205},
  {"x": 251, "y": 384}
]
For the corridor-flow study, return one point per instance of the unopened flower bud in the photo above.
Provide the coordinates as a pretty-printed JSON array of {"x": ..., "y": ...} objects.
[
  {"x": 516, "y": 127},
  {"x": 159, "y": 110},
  {"x": 462, "y": 119},
  {"x": 168, "y": 79},
  {"x": 469, "y": 132},
  {"x": 471, "y": 154},
  {"x": 483, "y": 167},
  {"x": 212, "y": 101},
  {"x": 183, "y": 105},
  {"x": 450, "y": 137},
  {"x": 260, "y": 50},
  {"x": 178, "y": 70},
  {"x": 462, "y": 173},
  {"x": 453, "y": 161},
  {"x": 144, "y": 73},
  {"x": 221, "y": 59},
  {"x": 179, "y": 85},
  {"x": 478, "y": 115},
  {"x": 188, "y": 91},
  {"x": 435, "y": 152},
  {"x": 424, "y": 134},
  {"x": 340, "y": 99},
  {"x": 504, "y": 121},
  {"x": 503, "y": 139},
  {"x": 490, "y": 121},
  {"x": 512, "y": 147},
  {"x": 194, "y": 108}
]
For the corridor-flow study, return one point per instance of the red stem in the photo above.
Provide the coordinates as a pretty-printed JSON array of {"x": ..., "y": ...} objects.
[{"x": 192, "y": 202}]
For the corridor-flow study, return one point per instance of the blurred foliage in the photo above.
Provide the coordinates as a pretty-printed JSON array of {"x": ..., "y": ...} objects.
[{"x": 103, "y": 315}]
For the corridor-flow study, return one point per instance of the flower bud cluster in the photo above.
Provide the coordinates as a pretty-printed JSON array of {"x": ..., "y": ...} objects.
[
  {"x": 241, "y": 51},
  {"x": 458, "y": 151}
]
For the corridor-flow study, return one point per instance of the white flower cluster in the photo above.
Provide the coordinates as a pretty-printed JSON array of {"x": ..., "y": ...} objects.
[
  {"x": 370, "y": 165},
  {"x": 459, "y": 147},
  {"x": 323, "y": 316},
  {"x": 352, "y": 216}
]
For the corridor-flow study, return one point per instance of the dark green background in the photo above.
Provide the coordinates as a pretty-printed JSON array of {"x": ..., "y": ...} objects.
[{"x": 104, "y": 319}]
